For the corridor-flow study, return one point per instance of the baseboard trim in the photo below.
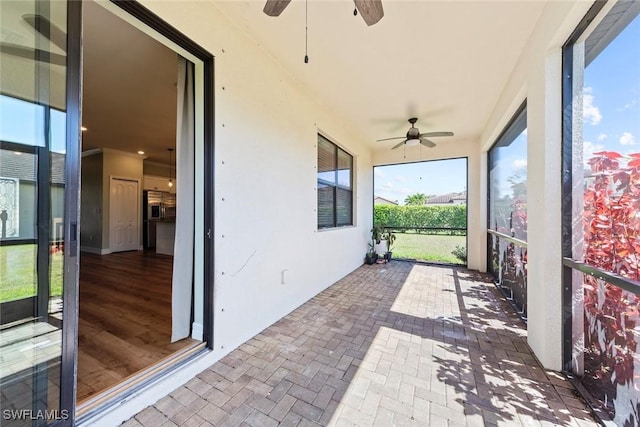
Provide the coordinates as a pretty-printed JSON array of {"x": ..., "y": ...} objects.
[{"x": 96, "y": 251}]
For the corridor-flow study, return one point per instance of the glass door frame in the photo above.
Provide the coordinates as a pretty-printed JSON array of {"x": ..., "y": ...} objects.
[
  {"x": 204, "y": 193},
  {"x": 69, "y": 365}
]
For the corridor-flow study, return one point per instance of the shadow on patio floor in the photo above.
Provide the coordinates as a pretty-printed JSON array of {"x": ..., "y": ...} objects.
[{"x": 393, "y": 344}]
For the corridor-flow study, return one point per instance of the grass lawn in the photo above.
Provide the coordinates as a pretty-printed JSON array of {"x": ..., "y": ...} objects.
[
  {"x": 18, "y": 272},
  {"x": 427, "y": 247}
]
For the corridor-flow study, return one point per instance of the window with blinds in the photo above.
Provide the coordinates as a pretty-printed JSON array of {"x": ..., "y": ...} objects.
[{"x": 335, "y": 190}]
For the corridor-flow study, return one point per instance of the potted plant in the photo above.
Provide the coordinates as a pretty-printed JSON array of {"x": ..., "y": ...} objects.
[
  {"x": 376, "y": 239},
  {"x": 390, "y": 237},
  {"x": 371, "y": 256},
  {"x": 378, "y": 236}
]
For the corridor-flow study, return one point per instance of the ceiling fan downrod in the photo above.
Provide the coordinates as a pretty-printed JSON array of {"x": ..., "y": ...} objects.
[{"x": 306, "y": 31}]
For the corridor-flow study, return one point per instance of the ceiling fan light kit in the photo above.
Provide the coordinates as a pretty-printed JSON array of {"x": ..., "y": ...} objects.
[{"x": 414, "y": 137}]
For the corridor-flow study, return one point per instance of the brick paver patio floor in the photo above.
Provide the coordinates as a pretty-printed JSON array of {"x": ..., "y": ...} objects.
[{"x": 396, "y": 344}]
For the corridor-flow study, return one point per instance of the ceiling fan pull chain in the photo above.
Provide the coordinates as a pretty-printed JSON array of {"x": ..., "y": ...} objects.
[{"x": 306, "y": 31}]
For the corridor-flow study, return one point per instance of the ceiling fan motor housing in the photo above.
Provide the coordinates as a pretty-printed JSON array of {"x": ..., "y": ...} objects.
[{"x": 413, "y": 133}]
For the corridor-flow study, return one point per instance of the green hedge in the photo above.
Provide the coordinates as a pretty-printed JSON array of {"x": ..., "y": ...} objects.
[{"x": 454, "y": 216}]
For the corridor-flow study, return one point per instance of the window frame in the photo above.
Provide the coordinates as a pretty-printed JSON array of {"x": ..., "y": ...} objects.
[
  {"x": 335, "y": 185},
  {"x": 572, "y": 265},
  {"x": 512, "y": 130}
]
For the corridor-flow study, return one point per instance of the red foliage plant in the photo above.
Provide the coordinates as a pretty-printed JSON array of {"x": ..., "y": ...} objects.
[{"x": 611, "y": 243}]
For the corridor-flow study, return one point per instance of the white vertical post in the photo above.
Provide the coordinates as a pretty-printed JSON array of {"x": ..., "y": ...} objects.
[{"x": 544, "y": 292}]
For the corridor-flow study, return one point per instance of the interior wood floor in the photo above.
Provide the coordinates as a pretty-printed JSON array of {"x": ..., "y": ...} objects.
[{"x": 125, "y": 317}]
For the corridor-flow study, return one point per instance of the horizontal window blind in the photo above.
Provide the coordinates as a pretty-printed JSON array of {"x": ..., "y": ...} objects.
[{"x": 335, "y": 180}]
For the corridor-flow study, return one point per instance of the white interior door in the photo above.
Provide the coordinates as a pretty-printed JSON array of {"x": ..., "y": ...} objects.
[{"x": 124, "y": 215}]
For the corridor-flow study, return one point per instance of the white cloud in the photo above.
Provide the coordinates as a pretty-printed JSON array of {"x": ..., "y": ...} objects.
[
  {"x": 405, "y": 191},
  {"x": 387, "y": 186},
  {"x": 590, "y": 112},
  {"x": 627, "y": 139},
  {"x": 378, "y": 172},
  {"x": 401, "y": 178},
  {"x": 588, "y": 148},
  {"x": 602, "y": 137},
  {"x": 520, "y": 164},
  {"x": 628, "y": 105}
]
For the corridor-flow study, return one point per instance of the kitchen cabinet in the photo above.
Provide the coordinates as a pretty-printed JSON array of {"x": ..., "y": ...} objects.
[
  {"x": 165, "y": 237},
  {"x": 158, "y": 183}
]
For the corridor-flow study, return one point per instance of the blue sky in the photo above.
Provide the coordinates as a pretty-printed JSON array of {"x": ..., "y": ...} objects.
[
  {"x": 396, "y": 182},
  {"x": 23, "y": 122},
  {"x": 612, "y": 96}
]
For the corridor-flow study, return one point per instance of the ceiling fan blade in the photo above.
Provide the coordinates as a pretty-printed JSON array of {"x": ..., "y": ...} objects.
[
  {"x": 432, "y": 134},
  {"x": 275, "y": 7},
  {"x": 370, "y": 10},
  {"x": 389, "y": 139},
  {"x": 47, "y": 29},
  {"x": 33, "y": 54},
  {"x": 427, "y": 142},
  {"x": 399, "y": 145}
]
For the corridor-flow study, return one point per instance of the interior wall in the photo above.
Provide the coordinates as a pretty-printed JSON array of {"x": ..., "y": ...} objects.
[
  {"x": 156, "y": 169},
  {"x": 537, "y": 77},
  {"x": 269, "y": 255},
  {"x": 91, "y": 202},
  {"x": 476, "y": 225}
]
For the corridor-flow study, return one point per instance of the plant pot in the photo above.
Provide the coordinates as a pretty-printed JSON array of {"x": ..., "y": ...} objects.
[
  {"x": 387, "y": 256},
  {"x": 371, "y": 258}
]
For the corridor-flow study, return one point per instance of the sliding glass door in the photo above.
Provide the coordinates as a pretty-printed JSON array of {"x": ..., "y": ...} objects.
[{"x": 39, "y": 142}]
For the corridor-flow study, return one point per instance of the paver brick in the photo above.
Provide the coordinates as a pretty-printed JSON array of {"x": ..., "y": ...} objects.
[
  {"x": 258, "y": 419},
  {"x": 212, "y": 413},
  {"x": 237, "y": 400},
  {"x": 397, "y": 344},
  {"x": 261, "y": 403},
  {"x": 238, "y": 416},
  {"x": 168, "y": 406},
  {"x": 280, "y": 411},
  {"x": 151, "y": 417},
  {"x": 306, "y": 410}
]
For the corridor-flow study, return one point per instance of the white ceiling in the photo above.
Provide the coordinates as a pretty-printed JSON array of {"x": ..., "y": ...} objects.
[
  {"x": 445, "y": 62},
  {"x": 129, "y": 87}
]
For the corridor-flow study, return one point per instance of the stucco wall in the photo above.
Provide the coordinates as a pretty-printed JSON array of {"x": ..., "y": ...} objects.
[{"x": 266, "y": 127}]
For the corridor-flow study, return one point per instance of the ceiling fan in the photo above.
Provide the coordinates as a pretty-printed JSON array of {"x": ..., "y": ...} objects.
[
  {"x": 414, "y": 137},
  {"x": 49, "y": 30},
  {"x": 370, "y": 10}
]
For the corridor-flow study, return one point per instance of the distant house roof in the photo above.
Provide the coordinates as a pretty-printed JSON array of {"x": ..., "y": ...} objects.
[
  {"x": 448, "y": 198},
  {"x": 22, "y": 166},
  {"x": 382, "y": 201}
]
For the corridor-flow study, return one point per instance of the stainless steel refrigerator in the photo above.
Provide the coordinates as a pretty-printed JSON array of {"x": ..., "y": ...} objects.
[{"x": 157, "y": 206}]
